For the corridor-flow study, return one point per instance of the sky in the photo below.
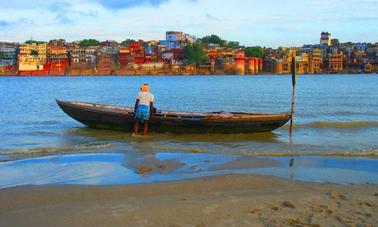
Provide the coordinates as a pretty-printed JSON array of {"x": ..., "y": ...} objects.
[{"x": 269, "y": 23}]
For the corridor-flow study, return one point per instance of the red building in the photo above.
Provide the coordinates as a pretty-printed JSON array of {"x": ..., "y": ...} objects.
[
  {"x": 124, "y": 57},
  {"x": 57, "y": 57},
  {"x": 137, "y": 53},
  {"x": 176, "y": 55},
  {"x": 104, "y": 63}
]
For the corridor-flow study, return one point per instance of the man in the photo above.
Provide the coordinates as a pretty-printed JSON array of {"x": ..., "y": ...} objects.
[{"x": 144, "y": 105}]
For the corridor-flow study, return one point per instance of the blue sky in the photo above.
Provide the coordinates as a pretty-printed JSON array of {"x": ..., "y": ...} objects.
[{"x": 266, "y": 23}]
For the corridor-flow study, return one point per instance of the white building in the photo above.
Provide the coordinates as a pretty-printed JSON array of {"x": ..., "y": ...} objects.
[{"x": 325, "y": 38}]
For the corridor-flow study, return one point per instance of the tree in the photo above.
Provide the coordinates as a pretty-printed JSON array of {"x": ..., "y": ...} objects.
[
  {"x": 128, "y": 41},
  {"x": 233, "y": 44},
  {"x": 255, "y": 51},
  {"x": 34, "y": 52},
  {"x": 89, "y": 42},
  {"x": 214, "y": 39},
  {"x": 1, "y": 54},
  {"x": 194, "y": 54},
  {"x": 33, "y": 41}
]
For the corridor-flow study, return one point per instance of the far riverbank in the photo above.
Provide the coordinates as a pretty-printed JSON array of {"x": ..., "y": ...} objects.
[{"x": 165, "y": 72}]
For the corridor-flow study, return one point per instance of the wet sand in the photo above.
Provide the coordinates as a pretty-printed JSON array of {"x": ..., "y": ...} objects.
[{"x": 228, "y": 200}]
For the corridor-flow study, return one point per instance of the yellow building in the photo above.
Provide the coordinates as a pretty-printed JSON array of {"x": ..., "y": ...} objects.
[
  {"x": 336, "y": 62},
  {"x": 283, "y": 65},
  {"x": 303, "y": 64},
  {"x": 316, "y": 61},
  {"x": 32, "y": 56},
  {"x": 368, "y": 68}
]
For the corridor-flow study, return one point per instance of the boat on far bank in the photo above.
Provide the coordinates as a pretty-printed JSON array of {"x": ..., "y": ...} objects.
[{"x": 122, "y": 118}]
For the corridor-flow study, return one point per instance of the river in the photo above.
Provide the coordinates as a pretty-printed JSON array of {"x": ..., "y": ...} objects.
[{"x": 335, "y": 115}]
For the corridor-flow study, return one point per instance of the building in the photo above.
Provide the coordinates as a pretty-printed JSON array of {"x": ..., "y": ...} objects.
[
  {"x": 316, "y": 61},
  {"x": 8, "y": 54},
  {"x": 33, "y": 59},
  {"x": 57, "y": 57},
  {"x": 137, "y": 53},
  {"x": 106, "y": 58},
  {"x": 190, "y": 38},
  {"x": 175, "y": 40},
  {"x": 124, "y": 57},
  {"x": 174, "y": 36},
  {"x": 173, "y": 56},
  {"x": 80, "y": 55},
  {"x": 325, "y": 38},
  {"x": 282, "y": 65},
  {"x": 303, "y": 64},
  {"x": 8, "y": 58},
  {"x": 83, "y": 60},
  {"x": 336, "y": 62}
]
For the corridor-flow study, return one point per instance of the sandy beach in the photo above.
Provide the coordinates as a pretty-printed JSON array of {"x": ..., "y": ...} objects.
[{"x": 228, "y": 200}]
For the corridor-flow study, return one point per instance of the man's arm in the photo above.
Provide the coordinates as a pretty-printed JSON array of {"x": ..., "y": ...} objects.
[{"x": 136, "y": 105}]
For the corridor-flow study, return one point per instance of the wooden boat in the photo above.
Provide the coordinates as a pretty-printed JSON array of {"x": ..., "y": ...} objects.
[{"x": 122, "y": 118}]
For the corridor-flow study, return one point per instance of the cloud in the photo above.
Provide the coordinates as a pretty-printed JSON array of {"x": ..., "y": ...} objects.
[
  {"x": 123, "y": 4},
  {"x": 211, "y": 17},
  {"x": 247, "y": 22},
  {"x": 4, "y": 23},
  {"x": 61, "y": 9}
]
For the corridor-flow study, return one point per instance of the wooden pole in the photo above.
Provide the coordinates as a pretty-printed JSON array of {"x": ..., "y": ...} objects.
[{"x": 293, "y": 79}]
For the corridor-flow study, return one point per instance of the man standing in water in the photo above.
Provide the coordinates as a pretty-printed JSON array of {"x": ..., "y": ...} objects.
[{"x": 143, "y": 108}]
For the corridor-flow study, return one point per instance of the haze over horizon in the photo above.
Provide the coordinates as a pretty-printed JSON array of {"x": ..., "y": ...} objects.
[{"x": 265, "y": 23}]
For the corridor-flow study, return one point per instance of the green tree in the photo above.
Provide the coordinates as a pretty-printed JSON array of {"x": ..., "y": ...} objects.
[
  {"x": 1, "y": 54},
  {"x": 233, "y": 44},
  {"x": 194, "y": 54},
  {"x": 34, "y": 52},
  {"x": 214, "y": 39},
  {"x": 255, "y": 51},
  {"x": 33, "y": 41},
  {"x": 128, "y": 41},
  {"x": 89, "y": 42}
]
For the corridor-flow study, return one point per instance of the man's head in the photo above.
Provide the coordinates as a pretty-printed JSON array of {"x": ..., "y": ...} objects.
[{"x": 145, "y": 87}]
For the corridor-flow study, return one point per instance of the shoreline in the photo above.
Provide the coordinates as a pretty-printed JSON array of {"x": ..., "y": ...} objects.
[{"x": 225, "y": 200}]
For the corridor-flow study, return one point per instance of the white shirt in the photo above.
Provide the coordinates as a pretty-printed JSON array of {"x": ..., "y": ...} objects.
[{"x": 145, "y": 98}]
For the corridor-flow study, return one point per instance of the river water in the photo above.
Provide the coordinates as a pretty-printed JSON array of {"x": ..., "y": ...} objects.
[{"x": 335, "y": 115}]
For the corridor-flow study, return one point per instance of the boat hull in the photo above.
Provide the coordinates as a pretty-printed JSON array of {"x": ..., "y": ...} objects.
[{"x": 122, "y": 118}]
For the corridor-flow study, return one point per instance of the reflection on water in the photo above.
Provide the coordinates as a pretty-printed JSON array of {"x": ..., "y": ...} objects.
[
  {"x": 115, "y": 168},
  {"x": 87, "y": 140},
  {"x": 204, "y": 137}
]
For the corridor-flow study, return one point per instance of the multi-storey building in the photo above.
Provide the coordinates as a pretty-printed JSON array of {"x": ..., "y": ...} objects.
[
  {"x": 282, "y": 65},
  {"x": 137, "y": 53},
  {"x": 85, "y": 55},
  {"x": 175, "y": 40},
  {"x": 316, "y": 61},
  {"x": 124, "y": 56},
  {"x": 83, "y": 60},
  {"x": 303, "y": 64},
  {"x": 8, "y": 58},
  {"x": 106, "y": 58},
  {"x": 33, "y": 59},
  {"x": 173, "y": 36},
  {"x": 336, "y": 62},
  {"x": 8, "y": 54},
  {"x": 57, "y": 57},
  {"x": 325, "y": 38}
]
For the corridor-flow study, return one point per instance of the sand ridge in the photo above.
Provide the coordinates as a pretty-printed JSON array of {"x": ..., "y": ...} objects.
[{"x": 228, "y": 200}]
